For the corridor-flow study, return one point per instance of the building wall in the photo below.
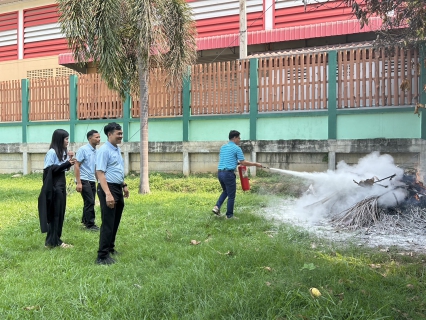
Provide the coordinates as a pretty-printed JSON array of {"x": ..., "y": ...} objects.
[
  {"x": 31, "y": 68},
  {"x": 31, "y": 39}
]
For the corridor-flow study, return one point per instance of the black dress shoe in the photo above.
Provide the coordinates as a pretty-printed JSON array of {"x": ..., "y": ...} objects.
[
  {"x": 105, "y": 261},
  {"x": 93, "y": 228}
]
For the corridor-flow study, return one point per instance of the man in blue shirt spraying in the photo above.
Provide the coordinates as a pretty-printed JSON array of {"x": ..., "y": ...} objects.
[
  {"x": 111, "y": 191},
  {"x": 84, "y": 170},
  {"x": 230, "y": 157}
]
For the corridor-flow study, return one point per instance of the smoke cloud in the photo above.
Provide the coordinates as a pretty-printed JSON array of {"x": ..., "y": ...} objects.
[{"x": 332, "y": 192}]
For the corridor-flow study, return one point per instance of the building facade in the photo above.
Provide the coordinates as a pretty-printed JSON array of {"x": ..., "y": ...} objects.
[{"x": 32, "y": 45}]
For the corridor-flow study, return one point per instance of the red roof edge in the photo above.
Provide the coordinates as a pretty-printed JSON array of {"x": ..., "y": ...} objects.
[
  {"x": 319, "y": 30},
  {"x": 65, "y": 58}
]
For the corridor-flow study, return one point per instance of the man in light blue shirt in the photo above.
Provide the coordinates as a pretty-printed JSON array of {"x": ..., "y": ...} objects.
[
  {"x": 111, "y": 191},
  {"x": 84, "y": 170},
  {"x": 230, "y": 157}
]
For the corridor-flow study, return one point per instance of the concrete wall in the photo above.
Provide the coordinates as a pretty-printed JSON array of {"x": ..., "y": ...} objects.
[
  {"x": 158, "y": 162},
  {"x": 386, "y": 125},
  {"x": 390, "y": 125},
  {"x": 203, "y": 129},
  {"x": 306, "y": 127},
  {"x": 202, "y": 156},
  {"x": 309, "y": 162}
]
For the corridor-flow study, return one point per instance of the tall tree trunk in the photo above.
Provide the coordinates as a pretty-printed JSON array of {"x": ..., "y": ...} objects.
[{"x": 143, "y": 94}]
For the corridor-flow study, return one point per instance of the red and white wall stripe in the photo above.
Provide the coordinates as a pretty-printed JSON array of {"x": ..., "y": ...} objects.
[
  {"x": 35, "y": 32},
  {"x": 272, "y": 21},
  {"x": 42, "y": 33},
  {"x": 222, "y": 17},
  {"x": 31, "y": 33},
  {"x": 9, "y": 36},
  {"x": 291, "y": 13}
]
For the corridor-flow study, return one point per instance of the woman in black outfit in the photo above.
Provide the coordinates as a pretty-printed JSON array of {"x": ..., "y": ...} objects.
[{"x": 53, "y": 197}]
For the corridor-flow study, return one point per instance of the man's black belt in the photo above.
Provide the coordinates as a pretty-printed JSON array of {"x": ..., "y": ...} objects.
[{"x": 231, "y": 170}]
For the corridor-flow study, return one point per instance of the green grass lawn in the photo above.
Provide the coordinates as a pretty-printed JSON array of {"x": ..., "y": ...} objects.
[{"x": 241, "y": 269}]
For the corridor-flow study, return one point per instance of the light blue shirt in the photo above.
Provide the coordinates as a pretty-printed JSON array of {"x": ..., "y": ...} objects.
[
  {"x": 109, "y": 160},
  {"x": 51, "y": 158},
  {"x": 229, "y": 156},
  {"x": 86, "y": 156}
]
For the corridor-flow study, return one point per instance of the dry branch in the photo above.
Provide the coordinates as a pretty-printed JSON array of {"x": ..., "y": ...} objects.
[{"x": 362, "y": 214}]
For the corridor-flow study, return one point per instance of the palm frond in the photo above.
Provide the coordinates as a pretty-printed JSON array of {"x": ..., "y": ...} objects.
[
  {"x": 180, "y": 33},
  {"x": 119, "y": 34}
]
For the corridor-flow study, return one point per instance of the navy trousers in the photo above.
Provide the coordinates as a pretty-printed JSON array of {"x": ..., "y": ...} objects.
[
  {"x": 88, "y": 193},
  {"x": 110, "y": 219},
  {"x": 229, "y": 189}
]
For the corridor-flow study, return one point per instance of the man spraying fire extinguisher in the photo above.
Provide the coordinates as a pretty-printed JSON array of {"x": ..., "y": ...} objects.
[{"x": 230, "y": 157}]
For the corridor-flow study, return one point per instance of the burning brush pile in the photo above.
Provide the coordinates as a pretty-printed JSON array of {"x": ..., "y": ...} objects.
[
  {"x": 374, "y": 194},
  {"x": 406, "y": 213}
]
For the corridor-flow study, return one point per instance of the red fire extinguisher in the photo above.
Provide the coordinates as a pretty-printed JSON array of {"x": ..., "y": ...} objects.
[{"x": 245, "y": 184}]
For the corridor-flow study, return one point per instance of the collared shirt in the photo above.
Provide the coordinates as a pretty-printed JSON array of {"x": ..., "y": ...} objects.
[
  {"x": 51, "y": 158},
  {"x": 86, "y": 156},
  {"x": 109, "y": 160},
  {"x": 229, "y": 156}
]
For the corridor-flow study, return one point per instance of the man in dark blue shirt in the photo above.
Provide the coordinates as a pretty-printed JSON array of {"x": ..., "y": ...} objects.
[{"x": 230, "y": 157}]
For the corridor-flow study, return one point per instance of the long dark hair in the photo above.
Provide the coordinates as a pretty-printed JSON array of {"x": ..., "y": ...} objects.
[{"x": 57, "y": 143}]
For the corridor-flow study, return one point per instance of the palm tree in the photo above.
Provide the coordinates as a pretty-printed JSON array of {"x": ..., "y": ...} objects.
[{"x": 126, "y": 39}]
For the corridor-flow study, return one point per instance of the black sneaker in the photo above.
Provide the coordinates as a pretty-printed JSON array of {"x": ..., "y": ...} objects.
[
  {"x": 105, "y": 261},
  {"x": 93, "y": 228}
]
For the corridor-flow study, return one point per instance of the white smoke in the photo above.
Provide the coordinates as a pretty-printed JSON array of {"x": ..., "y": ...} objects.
[{"x": 332, "y": 192}]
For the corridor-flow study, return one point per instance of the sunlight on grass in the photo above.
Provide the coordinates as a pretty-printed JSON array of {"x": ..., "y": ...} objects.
[{"x": 180, "y": 261}]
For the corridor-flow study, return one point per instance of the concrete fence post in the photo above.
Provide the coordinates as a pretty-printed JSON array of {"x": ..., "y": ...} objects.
[
  {"x": 185, "y": 164},
  {"x": 253, "y": 159},
  {"x": 332, "y": 160},
  {"x": 25, "y": 159},
  {"x": 332, "y": 95},
  {"x": 126, "y": 117},
  {"x": 254, "y": 97},
  {"x": 186, "y": 104},
  {"x": 422, "y": 100},
  {"x": 422, "y": 84},
  {"x": 25, "y": 116},
  {"x": 126, "y": 162},
  {"x": 73, "y": 106},
  {"x": 25, "y": 95}
]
